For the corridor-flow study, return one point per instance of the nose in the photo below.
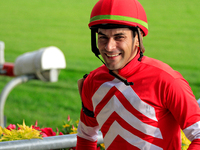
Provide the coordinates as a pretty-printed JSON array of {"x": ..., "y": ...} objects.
[{"x": 110, "y": 45}]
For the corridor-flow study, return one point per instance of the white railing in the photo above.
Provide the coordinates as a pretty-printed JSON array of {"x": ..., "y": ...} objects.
[{"x": 52, "y": 142}]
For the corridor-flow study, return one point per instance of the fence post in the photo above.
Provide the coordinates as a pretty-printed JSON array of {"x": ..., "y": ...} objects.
[{"x": 2, "y": 47}]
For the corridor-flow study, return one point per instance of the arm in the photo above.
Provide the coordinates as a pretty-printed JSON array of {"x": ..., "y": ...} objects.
[
  {"x": 87, "y": 136},
  {"x": 88, "y": 127},
  {"x": 87, "y": 133},
  {"x": 193, "y": 135},
  {"x": 184, "y": 107},
  {"x": 194, "y": 145},
  {"x": 83, "y": 144}
]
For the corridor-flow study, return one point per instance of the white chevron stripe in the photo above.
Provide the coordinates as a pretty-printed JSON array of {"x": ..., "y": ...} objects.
[
  {"x": 102, "y": 91},
  {"x": 114, "y": 105},
  {"x": 90, "y": 133},
  {"x": 136, "y": 102},
  {"x": 116, "y": 129},
  {"x": 130, "y": 95},
  {"x": 193, "y": 132}
]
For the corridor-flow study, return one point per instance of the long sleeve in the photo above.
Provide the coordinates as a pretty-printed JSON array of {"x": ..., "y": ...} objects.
[
  {"x": 187, "y": 112},
  {"x": 194, "y": 145},
  {"x": 88, "y": 127},
  {"x": 83, "y": 144},
  {"x": 87, "y": 133}
]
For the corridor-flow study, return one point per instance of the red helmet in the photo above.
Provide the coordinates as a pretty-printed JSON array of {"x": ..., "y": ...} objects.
[{"x": 122, "y": 12}]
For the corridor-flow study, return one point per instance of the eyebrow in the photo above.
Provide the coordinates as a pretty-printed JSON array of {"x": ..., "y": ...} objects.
[
  {"x": 117, "y": 34},
  {"x": 100, "y": 33}
]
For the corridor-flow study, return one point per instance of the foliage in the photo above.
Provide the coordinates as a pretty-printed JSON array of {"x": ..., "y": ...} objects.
[
  {"x": 185, "y": 141},
  {"x": 70, "y": 127},
  {"x": 24, "y": 132}
]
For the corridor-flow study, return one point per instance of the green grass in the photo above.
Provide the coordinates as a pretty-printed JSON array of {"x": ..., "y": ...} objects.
[{"x": 30, "y": 25}]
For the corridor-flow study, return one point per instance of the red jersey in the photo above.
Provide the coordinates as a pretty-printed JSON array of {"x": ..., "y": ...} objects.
[{"x": 147, "y": 115}]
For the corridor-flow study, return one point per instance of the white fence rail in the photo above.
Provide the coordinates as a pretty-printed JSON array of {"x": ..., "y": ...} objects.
[{"x": 52, "y": 142}]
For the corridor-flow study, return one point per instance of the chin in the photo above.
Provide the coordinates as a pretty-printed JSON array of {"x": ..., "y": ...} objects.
[{"x": 113, "y": 68}]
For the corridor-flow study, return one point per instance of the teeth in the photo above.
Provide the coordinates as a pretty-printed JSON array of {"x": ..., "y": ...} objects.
[{"x": 112, "y": 55}]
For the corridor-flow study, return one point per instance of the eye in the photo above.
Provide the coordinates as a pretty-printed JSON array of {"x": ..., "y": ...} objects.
[
  {"x": 103, "y": 37},
  {"x": 119, "y": 37}
]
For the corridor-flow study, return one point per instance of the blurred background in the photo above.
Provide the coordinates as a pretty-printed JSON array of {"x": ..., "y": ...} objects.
[{"x": 25, "y": 26}]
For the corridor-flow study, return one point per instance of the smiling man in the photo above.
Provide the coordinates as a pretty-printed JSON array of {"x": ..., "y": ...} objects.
[
  {"x": 137, "y": 102},
  {"x": 117, "y": 46}
]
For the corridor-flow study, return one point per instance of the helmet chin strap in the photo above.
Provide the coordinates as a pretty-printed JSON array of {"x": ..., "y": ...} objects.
[
  {"x": 95, "y": 50},
  {"x": 142, "y": 49},
  {"x": 116, "y": 75}
]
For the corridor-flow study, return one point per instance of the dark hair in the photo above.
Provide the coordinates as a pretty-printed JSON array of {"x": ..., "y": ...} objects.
[{"x": 111, "y": 26}]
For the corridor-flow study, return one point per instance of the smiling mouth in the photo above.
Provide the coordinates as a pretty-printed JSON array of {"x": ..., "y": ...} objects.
[{"x": 115, "y": 55}]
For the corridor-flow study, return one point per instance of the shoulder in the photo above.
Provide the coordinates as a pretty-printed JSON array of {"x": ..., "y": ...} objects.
[
  {"x": 92, "y": 83},
  {"x": 101, "y": 74},
  {"x": 160, "y": 68},
  {"x": 97, "y": 77},
  {"x": 99, "y": 71}
]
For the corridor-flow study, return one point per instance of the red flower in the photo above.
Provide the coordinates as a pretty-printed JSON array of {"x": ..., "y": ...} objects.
[
  {"x": 68, "y": 118},
  {"x": 11, "y": 126},
  {"x": 35, "y": 126},
  {"x": 47, "y": 132},
  {"x": 43, "y": 134},
  {"x": 57, "y": 131}
]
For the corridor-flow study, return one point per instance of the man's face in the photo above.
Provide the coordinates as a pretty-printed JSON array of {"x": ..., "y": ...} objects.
[{"x": 117, "y": 47}]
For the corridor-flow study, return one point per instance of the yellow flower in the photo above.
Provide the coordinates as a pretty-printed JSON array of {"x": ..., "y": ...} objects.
[
  {"x": 77, "y": 121},
  {"x": 74, "y": 130},
  {"x": 102, "y": 145},
  {"x": 66, "y": 125},
  {"x": 24, "y": 132},
  {"x": 1, "y": 130},
  {"x": 185, "y": 141}
]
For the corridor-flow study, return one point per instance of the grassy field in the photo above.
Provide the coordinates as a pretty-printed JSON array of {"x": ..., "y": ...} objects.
[{"x": 30, "y": 25}]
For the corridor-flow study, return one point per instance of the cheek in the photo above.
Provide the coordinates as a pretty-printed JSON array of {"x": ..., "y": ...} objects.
[
  {"x": 128, "y": 48},
  {"x": 100, "y": 45}
]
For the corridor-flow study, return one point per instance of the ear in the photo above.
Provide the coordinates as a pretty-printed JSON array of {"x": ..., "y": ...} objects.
[
  {"x": 140, "y": 38},
  {"x": 137, "y": 43},
  {"x": 142, "y": 33}
]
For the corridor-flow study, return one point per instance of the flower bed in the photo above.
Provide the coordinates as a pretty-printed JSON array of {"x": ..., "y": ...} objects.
[{"x": 22, "y": 132}]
